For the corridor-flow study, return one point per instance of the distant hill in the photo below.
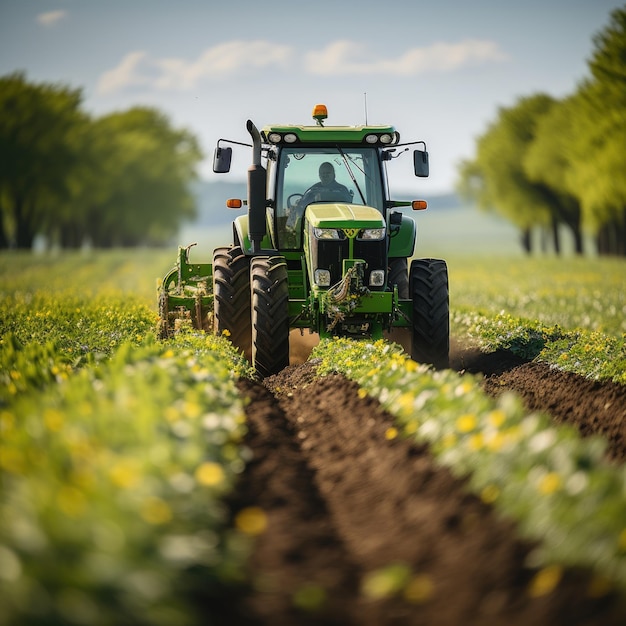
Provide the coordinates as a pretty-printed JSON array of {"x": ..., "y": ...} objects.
[{"x": 211, "y": 199}]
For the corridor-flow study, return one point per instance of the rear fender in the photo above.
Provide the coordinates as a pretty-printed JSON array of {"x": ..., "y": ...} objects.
[{"x": 242, "y": 236}]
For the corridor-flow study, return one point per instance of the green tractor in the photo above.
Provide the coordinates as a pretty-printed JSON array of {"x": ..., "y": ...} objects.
[{"x": 328, "y": 257}]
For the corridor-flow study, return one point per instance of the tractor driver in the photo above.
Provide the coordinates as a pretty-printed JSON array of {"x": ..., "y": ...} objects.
[{"x": 327, "y": 190}]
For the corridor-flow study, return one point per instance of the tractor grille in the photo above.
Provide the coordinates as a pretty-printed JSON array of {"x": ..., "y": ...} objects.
[{"x": 330, "y": 256}]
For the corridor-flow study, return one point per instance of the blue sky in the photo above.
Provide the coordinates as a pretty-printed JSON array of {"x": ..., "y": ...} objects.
[{"x": 437, "y": 70}]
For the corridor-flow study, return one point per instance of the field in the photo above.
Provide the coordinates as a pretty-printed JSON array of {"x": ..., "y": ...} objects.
[{"x": 148, "y": 482}]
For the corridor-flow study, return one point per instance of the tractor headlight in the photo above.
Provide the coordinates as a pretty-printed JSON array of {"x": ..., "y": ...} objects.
[
  {"x": 372, "y": 234},
  {"x": 327, "y": 233},
  {"x": 322, "y": 278},
  {"x": 384, "y": 138},
  {"x": 290, "y": 138},
  {"x": 377, "y": 278},
  {"x": 274, "y": 137}
]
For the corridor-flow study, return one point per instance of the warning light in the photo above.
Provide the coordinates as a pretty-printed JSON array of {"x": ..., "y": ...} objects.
[{"x": 320, "y": 113}]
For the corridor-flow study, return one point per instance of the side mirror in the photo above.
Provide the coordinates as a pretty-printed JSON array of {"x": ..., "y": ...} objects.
[
  {"x": 221, "y": 160},
  {"x": 420, "y": 163}
]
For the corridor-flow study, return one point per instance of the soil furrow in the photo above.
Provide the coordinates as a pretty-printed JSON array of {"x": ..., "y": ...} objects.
[
  {"x": 298, "y": 554},
  {"x": 344, "y": 498},
  {"x": 595, "y": 408}
]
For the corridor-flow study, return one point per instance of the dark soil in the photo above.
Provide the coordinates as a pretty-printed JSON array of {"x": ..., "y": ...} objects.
[{"x": 343, "y": 501}]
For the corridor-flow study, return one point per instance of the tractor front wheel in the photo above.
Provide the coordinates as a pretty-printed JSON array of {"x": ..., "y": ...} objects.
[
  {"x": 399, "y": 276},
  {"x": 270, "y": 315},
  {"x": 431, "y": 312}
]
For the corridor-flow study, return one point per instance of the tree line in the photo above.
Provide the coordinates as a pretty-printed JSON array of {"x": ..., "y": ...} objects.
[
  {"x": 560, "y": 164},
  {"x": 122, "y": 179}
]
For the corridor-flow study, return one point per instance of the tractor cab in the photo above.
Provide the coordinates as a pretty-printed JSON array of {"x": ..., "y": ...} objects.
[{"x": 306, "y": 165}]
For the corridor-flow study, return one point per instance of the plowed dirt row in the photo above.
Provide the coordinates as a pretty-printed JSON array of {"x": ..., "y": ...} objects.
[{"x": 343, "y": 501}]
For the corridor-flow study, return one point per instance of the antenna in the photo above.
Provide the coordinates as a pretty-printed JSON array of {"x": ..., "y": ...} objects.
[{"x": 365, "y": 102}]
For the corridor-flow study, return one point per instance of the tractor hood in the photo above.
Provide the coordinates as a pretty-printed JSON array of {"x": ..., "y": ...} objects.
[{"x": 339, "y": 215}]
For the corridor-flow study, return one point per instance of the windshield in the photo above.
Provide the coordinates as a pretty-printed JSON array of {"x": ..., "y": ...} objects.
[{"x": 306, "y": 175}]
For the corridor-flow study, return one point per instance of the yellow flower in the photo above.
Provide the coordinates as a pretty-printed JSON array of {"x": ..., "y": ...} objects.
[
  {"x": 391, "y": 433},
  {"x": 410, "y": 428},
  {"x": 495, "y": 441},
  {"x": 466, "y": 423},
  {"x": 405, "y": 402},
  {"x": 476, "y": 441},
  {"x": 209, "y": 474},
  {"x": 410, "y": 365},
  {"x": 252, "y": 520},
  {"x": 53, "y": 419},
  {"x": 156, "y": 511},
  {"x": 489, "y": 494},
  {"x": 362, "y": 393},
  {"x": 125, "y": 473},
  {"x": 171, "y": 414},
  {"x": 545, "y": 581},
  {"x": 496, "y": 417},
  {"x": 192, "y": 409},
  {"x": 550, "y": 483}
]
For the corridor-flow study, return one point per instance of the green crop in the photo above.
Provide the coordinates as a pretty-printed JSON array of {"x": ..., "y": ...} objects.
[
  {"x": 589, "y": 353},
  {"x": 112, "y": 488},
  {"x": 572, "y": 293}
]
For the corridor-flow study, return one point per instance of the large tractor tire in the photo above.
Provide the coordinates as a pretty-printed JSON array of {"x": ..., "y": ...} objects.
[
  {"x": 231, "y": 297},
  {"x": 430, "y": 342},
  {"x": 399, "y": 275},
  {"x": 270, "y": 315}
]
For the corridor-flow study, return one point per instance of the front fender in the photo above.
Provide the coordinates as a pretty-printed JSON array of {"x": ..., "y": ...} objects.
[{"x": 402, "y": 242}]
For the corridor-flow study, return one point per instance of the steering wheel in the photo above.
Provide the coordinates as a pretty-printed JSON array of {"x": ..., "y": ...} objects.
[{"x": 293, "y": 199}]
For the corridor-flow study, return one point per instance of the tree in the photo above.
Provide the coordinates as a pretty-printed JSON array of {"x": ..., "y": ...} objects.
[
  {"x": 562, "y": 162},
  {"x": 141, "y": 190},
  {"x": 37, "y": 123},
  {"x": 598, "y": 160},
  {"x": 123, "y": 179},
  {"x": 548, "y": 162},
  {"x": 496, "y": 178}
]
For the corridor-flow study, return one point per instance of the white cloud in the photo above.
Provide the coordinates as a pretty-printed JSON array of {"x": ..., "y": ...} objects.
[
  {"x": 345, "y": 57},
  {"x": 50, "y": 18},
  {"x": 348, "y": 57},
  {"x": 127, "y": 74},
  {"x": 173, "y": 74}
]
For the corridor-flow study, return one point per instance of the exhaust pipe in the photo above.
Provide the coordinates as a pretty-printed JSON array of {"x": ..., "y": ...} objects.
[{"x": 257, "y": 192}]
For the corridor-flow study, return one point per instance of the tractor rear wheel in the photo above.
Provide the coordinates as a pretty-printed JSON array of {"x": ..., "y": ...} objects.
[
  {"x": 231, "y": 297},
  {"x": 270, "y": 315},
  {"x": 430, "y": 342}
]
